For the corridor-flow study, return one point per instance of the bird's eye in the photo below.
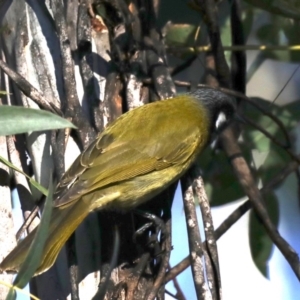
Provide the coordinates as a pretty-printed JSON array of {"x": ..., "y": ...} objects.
[{"x": 221, "y": 120}]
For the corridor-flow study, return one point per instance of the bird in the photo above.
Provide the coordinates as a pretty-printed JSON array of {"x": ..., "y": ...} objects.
[{"x": 135, "y": 158}]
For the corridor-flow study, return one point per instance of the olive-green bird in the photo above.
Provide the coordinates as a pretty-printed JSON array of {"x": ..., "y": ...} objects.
[{"x": 135, "y": 158}]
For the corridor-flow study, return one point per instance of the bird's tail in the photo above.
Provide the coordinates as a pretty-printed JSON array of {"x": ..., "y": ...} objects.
[{"x": 64, "y": 222}]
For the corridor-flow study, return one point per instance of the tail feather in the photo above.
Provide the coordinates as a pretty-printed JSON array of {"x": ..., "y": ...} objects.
[{"x": 64, "y": 222}]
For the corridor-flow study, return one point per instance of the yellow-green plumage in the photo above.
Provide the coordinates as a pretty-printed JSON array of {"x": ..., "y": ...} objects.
[{"x": 135, "y": 158}]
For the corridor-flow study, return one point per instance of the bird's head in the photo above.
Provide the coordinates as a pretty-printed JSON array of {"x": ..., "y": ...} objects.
[{"x": 220, "y": 107}]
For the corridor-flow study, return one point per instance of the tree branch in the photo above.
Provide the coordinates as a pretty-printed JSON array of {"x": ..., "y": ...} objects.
[
  {"x": 29, "y": 90},
  {"x": 195, "y": 245},
  {"x": 213, "y": 272},
  {"x": 247, "y": 182}
]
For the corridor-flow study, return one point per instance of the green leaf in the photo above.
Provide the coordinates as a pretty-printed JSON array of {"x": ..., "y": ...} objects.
[
  {"x": 180, "y": 34},
  {"x": 15, "y": 119},
  {"x": 32, "y": 181},
  {"x": 260, "y": 243},
  {"x": 12, "y": 295},
  {"x": 35, "y": 252}
]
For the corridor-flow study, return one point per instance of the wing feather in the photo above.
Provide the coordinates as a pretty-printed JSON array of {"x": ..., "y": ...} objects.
[{"x": 140, "y": 148}]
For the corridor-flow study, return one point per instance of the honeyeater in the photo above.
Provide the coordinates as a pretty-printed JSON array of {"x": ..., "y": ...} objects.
[{"x": 135, "y": 158}]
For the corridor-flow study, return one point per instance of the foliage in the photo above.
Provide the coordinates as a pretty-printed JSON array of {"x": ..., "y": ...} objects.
[{"x": 14, "y": 120}]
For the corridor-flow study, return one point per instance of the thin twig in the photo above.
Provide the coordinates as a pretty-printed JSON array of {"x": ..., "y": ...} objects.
[
  {"x": 285, "y": 85},
  {"x": 208, "y": 48},
  {"x": 164, "y": 264},
  {"x": 173, "y": 296},
  {"x": 33, "y": 214},
  {"x": 179, "y": 292},
  {"x": 183, "y": 66}
]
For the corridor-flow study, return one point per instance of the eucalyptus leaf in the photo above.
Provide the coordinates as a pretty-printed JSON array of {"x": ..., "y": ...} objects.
[
  {"x": 15, "y": 120},
  {"x": 35, "y": 252},
  {"x": 12, "y": 295},
  {"x": 260, "y": 243},
  {"x": 32, "y": 181}
]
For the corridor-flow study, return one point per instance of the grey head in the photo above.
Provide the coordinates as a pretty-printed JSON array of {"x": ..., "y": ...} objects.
[{"x": 220, "y": 106}]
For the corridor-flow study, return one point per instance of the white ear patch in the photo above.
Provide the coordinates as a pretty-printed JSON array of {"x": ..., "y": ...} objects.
[{"x": 221, "y": 119}]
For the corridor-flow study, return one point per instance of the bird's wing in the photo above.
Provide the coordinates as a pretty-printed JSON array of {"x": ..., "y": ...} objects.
[
  {"x": 112, "y": 159},
  {"x": 109, "y": 169}
]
